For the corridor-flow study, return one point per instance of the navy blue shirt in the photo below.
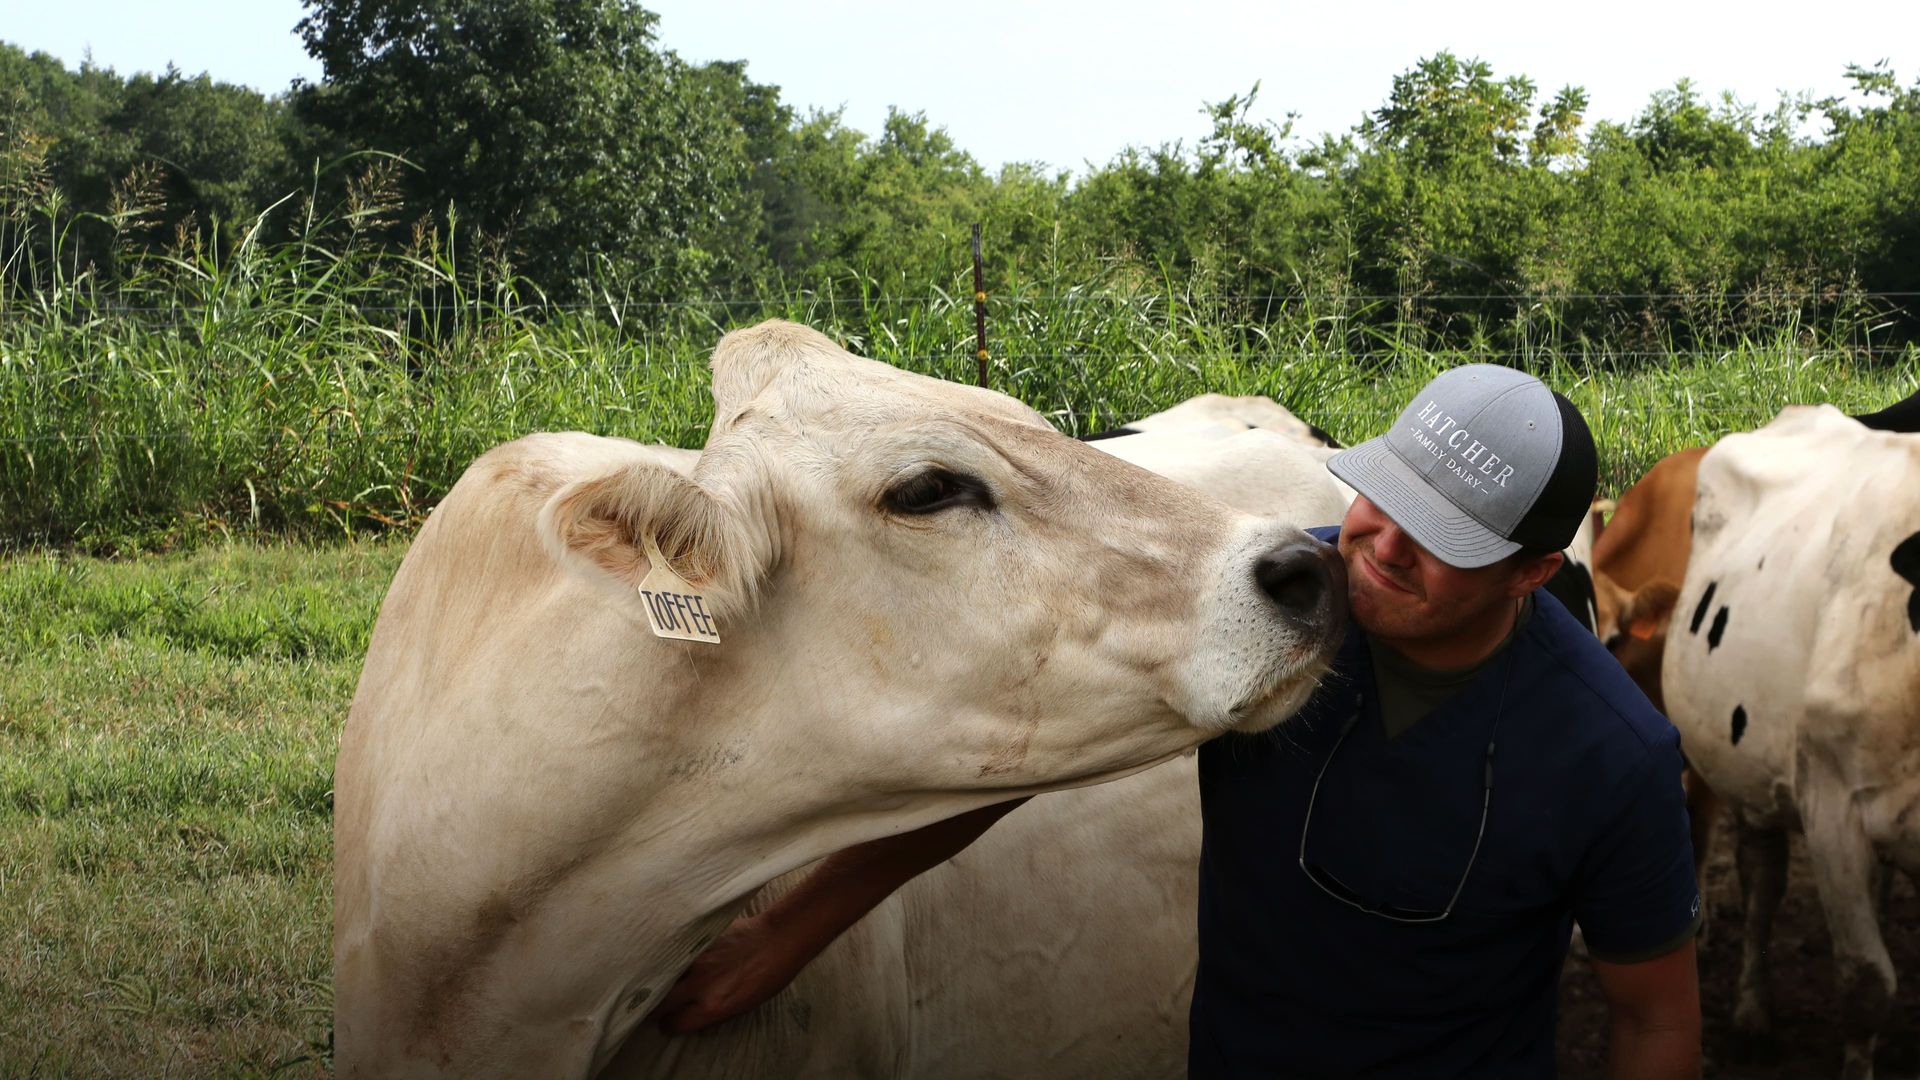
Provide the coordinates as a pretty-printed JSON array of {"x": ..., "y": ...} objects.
[{"x": 1587, "y": 819}]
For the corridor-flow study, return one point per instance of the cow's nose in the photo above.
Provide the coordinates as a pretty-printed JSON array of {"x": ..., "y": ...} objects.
[{"x": 1304, "y": 577}]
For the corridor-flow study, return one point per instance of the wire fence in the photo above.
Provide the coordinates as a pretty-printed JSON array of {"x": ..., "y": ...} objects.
[
  {"x": 559, "y": 364},
  {"x": 382, "y": 361},
  {"x": 1115, "y": 296},
  {"x": 461, "y": 310}
]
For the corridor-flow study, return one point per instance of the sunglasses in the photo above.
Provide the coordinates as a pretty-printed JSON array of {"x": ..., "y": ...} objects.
[{"x": 1334, "y": 887}]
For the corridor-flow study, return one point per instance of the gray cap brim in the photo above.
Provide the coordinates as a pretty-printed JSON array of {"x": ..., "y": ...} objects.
[{"x": 1451, "y": 534}]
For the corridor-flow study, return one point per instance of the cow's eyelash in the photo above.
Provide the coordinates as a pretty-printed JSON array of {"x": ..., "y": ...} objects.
[{"x": 932, "y": 490}]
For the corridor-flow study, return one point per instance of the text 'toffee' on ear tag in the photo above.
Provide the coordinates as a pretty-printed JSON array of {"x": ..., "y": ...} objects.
[{"x": 675, "y": 609}]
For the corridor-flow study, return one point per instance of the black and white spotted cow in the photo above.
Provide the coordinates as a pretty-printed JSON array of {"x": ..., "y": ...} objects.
[{"x": 1792, "y": 669}]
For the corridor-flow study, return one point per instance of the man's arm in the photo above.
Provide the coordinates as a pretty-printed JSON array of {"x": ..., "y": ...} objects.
[
  {"x": 1655, "y": 1005},
  {"x": 760, "y": 954}
]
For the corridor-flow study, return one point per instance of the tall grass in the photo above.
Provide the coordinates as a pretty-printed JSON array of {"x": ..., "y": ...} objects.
[{"x": 323, "y": 386}]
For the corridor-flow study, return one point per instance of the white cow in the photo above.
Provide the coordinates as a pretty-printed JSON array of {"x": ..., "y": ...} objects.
[
  {"x": 928, "y": 602},
  {"x": 1792, "y": 669},
  {"x": 1225, "y": 414},
  {"x": 985, "y": 965},
  {"x": 1059, "y": 944},
  {"x": 1256, "y": 470}
]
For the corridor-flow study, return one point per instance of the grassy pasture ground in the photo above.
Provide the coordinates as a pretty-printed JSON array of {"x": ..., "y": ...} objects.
[
  {"x": 167, "y": 723},
  {"x": 167, "y": 731}
]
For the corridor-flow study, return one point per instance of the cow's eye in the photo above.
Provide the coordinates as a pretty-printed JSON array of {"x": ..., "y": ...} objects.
[{"x": 937, "y": 489}]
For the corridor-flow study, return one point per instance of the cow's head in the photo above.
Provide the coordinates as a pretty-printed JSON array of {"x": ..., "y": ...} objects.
[
  {"x": 1633, "y": 624},
  {"x": 925, "y": 581}
]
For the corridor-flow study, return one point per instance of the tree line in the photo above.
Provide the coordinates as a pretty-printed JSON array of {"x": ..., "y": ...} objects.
[{"x": 564, "y": 139}]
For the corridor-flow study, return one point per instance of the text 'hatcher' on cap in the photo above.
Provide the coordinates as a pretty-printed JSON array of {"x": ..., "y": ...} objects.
[{"x": 1484, "y": 461}]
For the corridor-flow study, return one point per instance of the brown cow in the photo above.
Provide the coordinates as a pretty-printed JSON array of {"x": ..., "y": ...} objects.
[
  {"x": 1645, "y": 543},
  {"x": 1638, "y": 564}
]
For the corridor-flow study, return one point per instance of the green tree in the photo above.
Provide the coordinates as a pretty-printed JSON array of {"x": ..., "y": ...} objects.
[
  {"x": 134, "y": 159},
  {"x": 1677, "y": 130},
  {"x": 1449, "y": 114},
  {"x": 558, "y": 126},
  {"x": 1449, "y": 197},
  {"x": 1238, "y": 212},
  {"x": 754, "y": 233},
  {"x": 898, "y": 205},
  {"x": 218, "y": 148},
  {"x": 1556, "y": 138}
]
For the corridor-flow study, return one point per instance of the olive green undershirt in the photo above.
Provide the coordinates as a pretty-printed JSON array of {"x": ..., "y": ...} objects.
[{"x": 1406, "y": 692}]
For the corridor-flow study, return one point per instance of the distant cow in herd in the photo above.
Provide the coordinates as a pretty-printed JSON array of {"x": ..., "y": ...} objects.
[{"x": 1765, "y": 592}]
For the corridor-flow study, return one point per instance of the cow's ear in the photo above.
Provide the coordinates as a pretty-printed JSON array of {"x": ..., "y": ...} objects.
[
  {"x": 603, "y": 524},
  {"x": 1601, "y": 511},
  {"x": 1647, "y": 611},
  {"x": 747, "y": 360}
]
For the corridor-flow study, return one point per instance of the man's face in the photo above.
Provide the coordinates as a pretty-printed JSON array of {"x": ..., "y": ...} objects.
[{"x": 1398, "y": 590}]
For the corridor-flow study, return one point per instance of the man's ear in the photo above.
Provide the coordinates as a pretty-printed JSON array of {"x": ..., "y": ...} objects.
[
  {"x": 1535, "y": 573},
  {"x": 1647, "y": 611},
  {"x": 602, "y": 525}
]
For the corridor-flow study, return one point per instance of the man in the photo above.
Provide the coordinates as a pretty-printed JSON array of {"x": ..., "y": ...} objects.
[{"x": 1388, "y": 881}]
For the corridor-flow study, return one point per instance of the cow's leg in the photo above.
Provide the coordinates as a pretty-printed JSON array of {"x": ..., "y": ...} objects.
[
  {"x": 1845, "y": 870},
  {"x": 1760, "y": 854}
]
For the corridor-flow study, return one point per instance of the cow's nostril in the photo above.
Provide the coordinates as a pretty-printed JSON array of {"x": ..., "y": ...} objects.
[{"x": 1295, "y": 577}]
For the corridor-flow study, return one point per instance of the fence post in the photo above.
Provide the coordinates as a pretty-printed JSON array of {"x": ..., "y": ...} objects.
[{"x": 979, "y": 308}]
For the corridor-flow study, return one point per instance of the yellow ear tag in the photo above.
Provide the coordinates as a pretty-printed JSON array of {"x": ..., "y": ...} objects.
[{"x": 675, "y": 609}]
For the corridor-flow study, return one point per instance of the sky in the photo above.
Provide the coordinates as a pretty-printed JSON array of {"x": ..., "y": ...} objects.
[{"x": 1070, "y": 83}]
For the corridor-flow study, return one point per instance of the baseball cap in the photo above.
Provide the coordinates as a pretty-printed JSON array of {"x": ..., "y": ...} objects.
[{"x": 1485, "y": 461}]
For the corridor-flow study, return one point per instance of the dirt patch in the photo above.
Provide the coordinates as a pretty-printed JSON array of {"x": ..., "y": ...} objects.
[{"x": 1806, "y": 1037}]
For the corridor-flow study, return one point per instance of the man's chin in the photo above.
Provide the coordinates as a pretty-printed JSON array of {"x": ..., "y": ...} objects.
[{"x": 1364, "y": 606}]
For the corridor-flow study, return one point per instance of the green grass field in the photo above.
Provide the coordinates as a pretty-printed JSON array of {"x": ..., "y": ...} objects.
[{"x": 167, "y": 731}]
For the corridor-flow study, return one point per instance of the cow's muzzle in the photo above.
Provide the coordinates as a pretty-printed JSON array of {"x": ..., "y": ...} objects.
[{"x": 1307, "y": 581}]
